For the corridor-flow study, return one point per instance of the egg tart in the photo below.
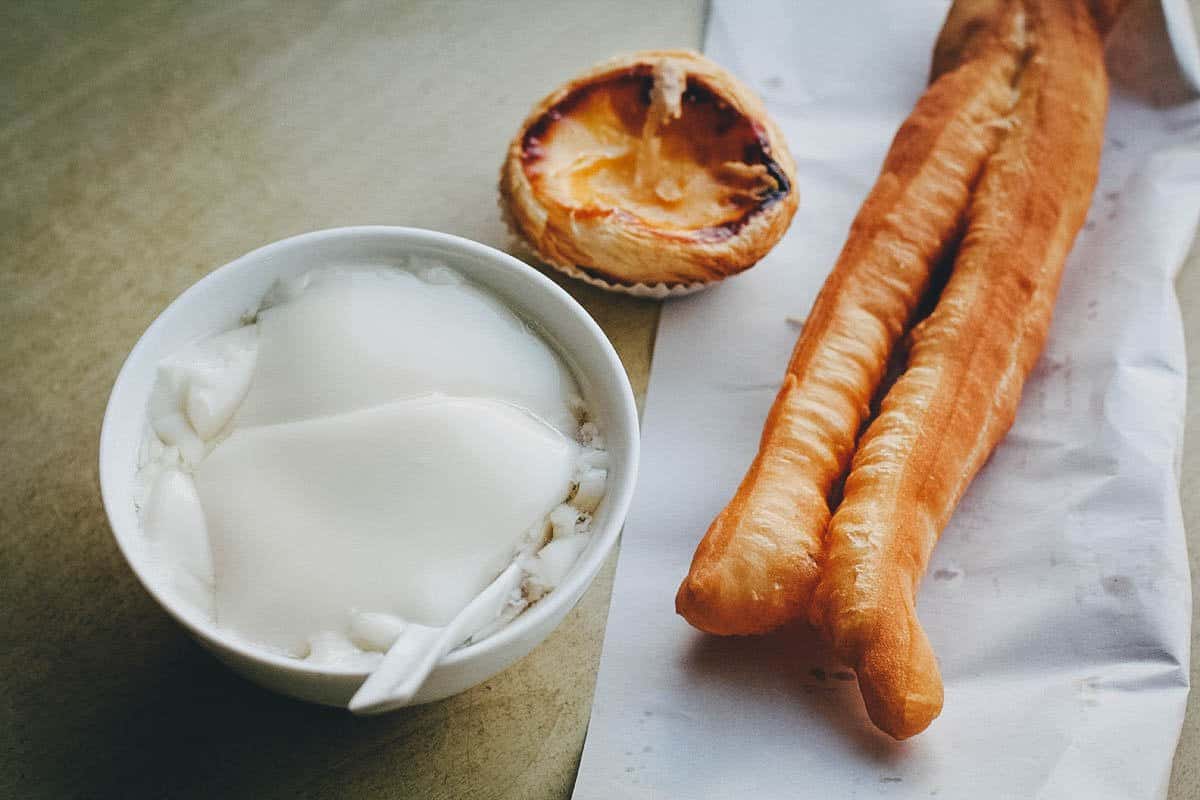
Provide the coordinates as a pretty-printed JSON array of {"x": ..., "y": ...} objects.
[{"x": 654, "y": 173}]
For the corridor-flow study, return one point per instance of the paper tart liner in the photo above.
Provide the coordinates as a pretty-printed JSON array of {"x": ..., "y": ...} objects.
[{"x": 658, "y": 291}]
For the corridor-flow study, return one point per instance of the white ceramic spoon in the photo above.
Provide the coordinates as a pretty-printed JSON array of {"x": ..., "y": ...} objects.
[{"x": 419, "y": 648}]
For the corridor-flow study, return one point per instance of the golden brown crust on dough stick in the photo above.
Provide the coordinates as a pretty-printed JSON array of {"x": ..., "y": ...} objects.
[
  {"x": 756, "y": 566},
  {"x": 969, "y": 24},
  {"x": 968, "y": 362}
]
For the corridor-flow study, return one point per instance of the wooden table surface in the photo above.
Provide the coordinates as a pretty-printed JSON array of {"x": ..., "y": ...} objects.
[{"x": 144, "y": 143}]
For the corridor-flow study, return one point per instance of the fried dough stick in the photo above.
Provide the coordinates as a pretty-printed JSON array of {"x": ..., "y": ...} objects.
[
  {"x": 968, "y": 362},
  {"x": 757, "y": 565}
]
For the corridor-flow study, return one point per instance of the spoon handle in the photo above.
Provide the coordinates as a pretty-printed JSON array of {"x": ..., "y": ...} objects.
[{"x": 419, "y": 648}]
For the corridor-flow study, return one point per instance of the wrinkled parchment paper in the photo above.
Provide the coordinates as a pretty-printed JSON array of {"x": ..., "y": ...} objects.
[{"x": 1058, "y": 599}]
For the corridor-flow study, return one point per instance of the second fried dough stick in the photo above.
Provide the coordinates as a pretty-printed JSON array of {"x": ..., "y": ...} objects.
[
  {"x": 968, "y": 363},
  {"x": 757, "y": 564}
]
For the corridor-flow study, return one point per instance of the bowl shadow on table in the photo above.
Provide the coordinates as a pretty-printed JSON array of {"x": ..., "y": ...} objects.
[
  {"x": 184, "y": 726},
  {"x": 793, "y": 663},
  {"x": 194, "y": 729}
]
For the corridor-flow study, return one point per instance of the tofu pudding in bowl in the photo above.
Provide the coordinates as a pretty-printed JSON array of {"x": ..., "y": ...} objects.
[
  {"x": 370, "y": 451},
  {"x": 384, "y": 428}
]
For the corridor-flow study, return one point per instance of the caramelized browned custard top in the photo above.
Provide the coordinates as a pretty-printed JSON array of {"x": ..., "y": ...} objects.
[{"x": 654, "y": 146}]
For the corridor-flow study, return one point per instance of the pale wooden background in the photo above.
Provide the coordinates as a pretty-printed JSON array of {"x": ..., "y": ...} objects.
[{"x": 141, "y": 145}]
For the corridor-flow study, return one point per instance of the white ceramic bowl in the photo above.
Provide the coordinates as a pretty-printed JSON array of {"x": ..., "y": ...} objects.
[{"x": 218, "y": 303}]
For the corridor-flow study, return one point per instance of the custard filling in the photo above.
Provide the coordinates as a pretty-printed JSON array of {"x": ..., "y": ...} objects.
[{"x": 656, "y": 147}]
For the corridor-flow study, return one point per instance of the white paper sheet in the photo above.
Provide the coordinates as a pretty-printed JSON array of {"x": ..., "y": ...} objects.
[{"x": 1058, "y": 599}]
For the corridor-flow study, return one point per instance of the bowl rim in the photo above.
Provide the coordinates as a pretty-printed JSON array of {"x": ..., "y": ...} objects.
[{"x": 619, "y": 493}]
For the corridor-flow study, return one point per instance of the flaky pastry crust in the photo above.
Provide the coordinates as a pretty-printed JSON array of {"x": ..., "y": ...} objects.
[{"x": 653, "y": 169}]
